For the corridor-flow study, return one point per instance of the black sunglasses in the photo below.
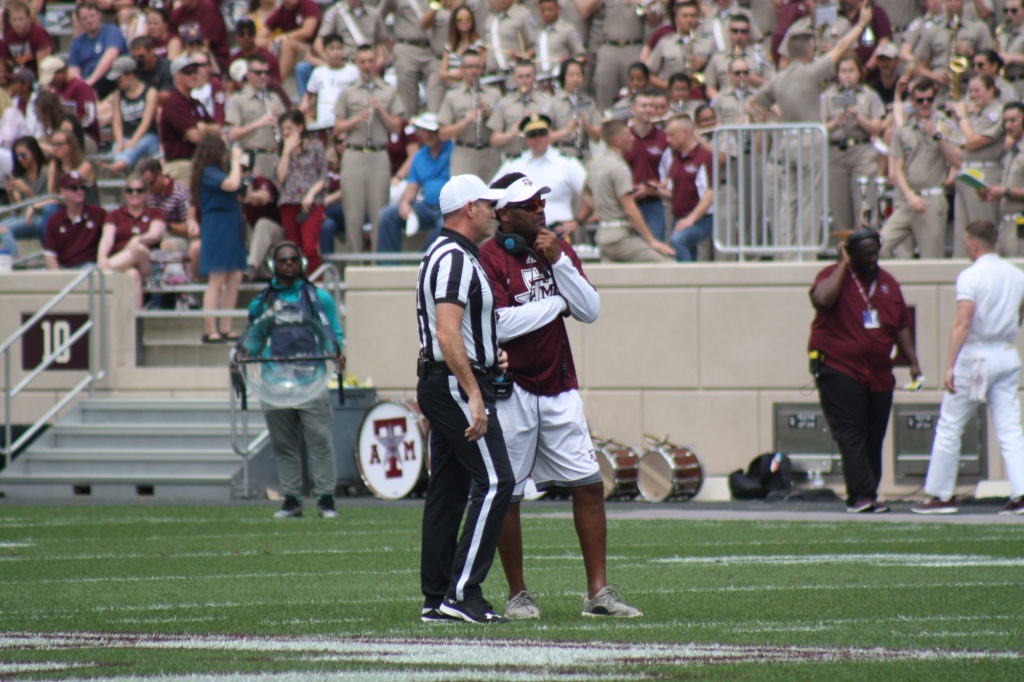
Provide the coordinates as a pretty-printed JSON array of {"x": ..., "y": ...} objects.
[
  {"x": 741, "y": 72},
  {"x": 924, "y": 100},
  {"x": 134, "y": 190}
]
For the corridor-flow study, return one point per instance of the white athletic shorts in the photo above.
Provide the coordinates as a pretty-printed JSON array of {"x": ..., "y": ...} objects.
[{"x": 547, "y": 436}]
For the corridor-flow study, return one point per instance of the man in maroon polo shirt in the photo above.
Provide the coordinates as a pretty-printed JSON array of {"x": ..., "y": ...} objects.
[
  {"x": 206, "y": 15},
  {"x": 687, "y": 164},
  {"x": 73, "y": 232},
  {"x": 860, "y": 314},
  {"x": 184, "y": 121},
  {"x": 649, "y": 143}
]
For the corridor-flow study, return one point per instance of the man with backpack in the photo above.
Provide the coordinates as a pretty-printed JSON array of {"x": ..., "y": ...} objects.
[{"x": 290, "y": 319}]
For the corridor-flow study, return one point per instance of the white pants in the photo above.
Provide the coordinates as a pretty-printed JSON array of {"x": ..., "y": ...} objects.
[
  {"x": 548, "y": 436},
  {"x": 982, "y": 371}
]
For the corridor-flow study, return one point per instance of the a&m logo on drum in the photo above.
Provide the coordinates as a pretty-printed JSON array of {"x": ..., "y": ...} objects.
[{"x": 391, "y": 446}]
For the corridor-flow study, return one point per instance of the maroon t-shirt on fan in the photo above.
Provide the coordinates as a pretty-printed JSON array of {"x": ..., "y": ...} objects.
[
  {"x": 74, "y": 242},
  {"x": 205, "y": 14},
  {"x": 127, "y": 226},
  {"x": 840, "y": 334},
  {"x": 287, "y": 20},
  {"x": 22, "y": 50},
  {"x": 645, "y": 155},
  {"x": 541, "y": 361},
  {"x": 179, "y": 115}
]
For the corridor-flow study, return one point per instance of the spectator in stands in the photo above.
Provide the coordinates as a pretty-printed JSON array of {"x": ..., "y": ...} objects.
[
  {"x": 649, "y": 143},
  {"x": 174, "y": 202},
  {"x": 68, "y": 157},
  {"x": 684, "y": 51},
  {"x": 215, "y": 185},
  {"x": 1011, "y": 182},
  {"x": 524, "y": 100},
  {"x": 259, "y": 12},
  {"x": 429, "y": 171},
  {"x": 264, "y": 219},
  {"x": 51, "y": 117},
  {"x": 618, "y": 48},
  {"x": 151, "y": 68},
  {"x": 245, "y": 34},
  {"x": 208, "y": 89},
  {"x": 463, "y": 118},
  {"x": 134, "y": 105},
  {"x": 462, "y": 36},
  {"x": 358, "y": 24},
  {"x": 638, "y": 79},
  {"x": 193, "y": 41},
  {"x": 622, "y": 235},
  {"x": 23, "y": 93},
  {"x": 206, "y": 15},
  {"x": 300, "y": 172},
  {"x": 183, "y": 122},
  {"x": 73, "y": 231},
  {"x": 327, "y": 82},
  {"x": 166, "y": 43},
  {"x": 55, "y": 73},
  {"x": 129, "y": 232},
  {"x": 12, "y": 125},
  {"x": 29, "y": 179},
  {"x": 414, "y": 61},
  {"x": 93, "y": 52},
  {"x": 131, "y": 20},
  {"x": 334, "y": 212},
  {"x": 687, "y": 165},
  {"x": 294, "y": 24},
  {"x": 989, "y": 63},
  {"x": 574, "y": 113},
  {"x": 25, "y": 42}
]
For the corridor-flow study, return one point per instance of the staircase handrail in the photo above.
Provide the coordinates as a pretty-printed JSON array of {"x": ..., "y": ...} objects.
[{"x": 97, "y": 307}]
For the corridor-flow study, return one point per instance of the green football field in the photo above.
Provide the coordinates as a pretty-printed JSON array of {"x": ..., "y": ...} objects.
[{"x": 228, "y": 593}]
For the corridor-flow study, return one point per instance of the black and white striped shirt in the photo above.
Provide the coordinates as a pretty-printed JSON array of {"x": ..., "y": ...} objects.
[{"x": 451, "y": 273}]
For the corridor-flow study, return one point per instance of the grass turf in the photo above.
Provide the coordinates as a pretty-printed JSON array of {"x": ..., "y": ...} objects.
[{"x": 230, "y": 590}]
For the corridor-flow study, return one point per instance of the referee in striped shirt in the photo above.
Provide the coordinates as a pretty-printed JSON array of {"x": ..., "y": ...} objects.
[{"x": 457, "y": 364}]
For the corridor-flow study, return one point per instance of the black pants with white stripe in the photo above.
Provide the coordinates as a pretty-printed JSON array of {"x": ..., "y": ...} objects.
[{"x": 451, "y": 565}]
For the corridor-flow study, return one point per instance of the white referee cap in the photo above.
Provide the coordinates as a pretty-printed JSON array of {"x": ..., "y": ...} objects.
[{"x": 465, "y": 189}]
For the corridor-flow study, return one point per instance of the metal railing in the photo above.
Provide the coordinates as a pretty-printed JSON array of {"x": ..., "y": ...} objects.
[
  {"x": 772, "y": 182},
  {"x": 95, "y": 326}
]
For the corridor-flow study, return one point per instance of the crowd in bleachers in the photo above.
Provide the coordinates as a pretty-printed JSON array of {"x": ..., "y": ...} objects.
[{"x": 327, "y": 114}]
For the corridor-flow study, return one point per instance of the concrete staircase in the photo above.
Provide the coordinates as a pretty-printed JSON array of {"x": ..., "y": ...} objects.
[{"x": 126, "y": 450}]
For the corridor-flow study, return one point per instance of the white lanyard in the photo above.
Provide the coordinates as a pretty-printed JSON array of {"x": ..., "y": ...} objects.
[
  {"x": 416, "y": 9},
  {"x": 499, "y": 55},
  {"x": 352, "y": 26},
  {"x": 542, "y": 50}
]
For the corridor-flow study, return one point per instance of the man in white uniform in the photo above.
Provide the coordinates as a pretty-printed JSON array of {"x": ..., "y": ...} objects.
[{"x": 983, "y": 364}]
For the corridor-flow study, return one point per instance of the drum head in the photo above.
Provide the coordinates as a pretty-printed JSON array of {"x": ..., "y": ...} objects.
[
  {"x": 391, "y": 450},
  {"x": 655, "y": 476}
]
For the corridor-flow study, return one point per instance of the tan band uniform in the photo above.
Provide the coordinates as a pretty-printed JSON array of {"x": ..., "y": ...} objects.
[
  {"x": 621, "y": 34},
  {"x": 470, "y": 156},
  {"x": 248, "y": 105},
  {"x": 967, "y": 205},
  {"x": 365, "y": 168},
  {"x": 608, "y": 180},
  {"x": 1011, "y": 211},
  {"x": 850, "y": 156}
]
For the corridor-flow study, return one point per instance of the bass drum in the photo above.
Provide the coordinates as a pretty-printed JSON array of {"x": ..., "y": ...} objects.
[
  {"x": 670, "y": 471},
  {"x": 618, "y": 466},
  {"x": 391, "y": 452}
]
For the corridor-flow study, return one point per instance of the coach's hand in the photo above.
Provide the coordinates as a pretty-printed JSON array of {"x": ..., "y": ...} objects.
[
  {"x": 477, "y": 419},
  {"x": 547, "y": 243}
]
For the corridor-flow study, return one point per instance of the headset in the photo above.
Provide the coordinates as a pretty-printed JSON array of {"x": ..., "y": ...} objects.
[
  {"x": 513, "y": 243},
  {"x": 862, "y": 234},
  {"x": 271, "y": 257}
]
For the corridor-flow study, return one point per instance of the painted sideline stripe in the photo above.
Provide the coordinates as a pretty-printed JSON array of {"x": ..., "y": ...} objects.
[
  {"x": 488, "y": 653},
  {"x": 915, "y": 560}
]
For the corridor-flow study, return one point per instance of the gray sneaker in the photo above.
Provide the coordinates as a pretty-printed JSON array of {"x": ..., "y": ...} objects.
[
  {"x": 522, "y": 606},
  {"x": 607, "y": 602}
]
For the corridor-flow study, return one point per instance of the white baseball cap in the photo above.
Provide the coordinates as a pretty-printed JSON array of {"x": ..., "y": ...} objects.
[
  {"x": 464, "y": 189},
  {"x": 427, "y": 121},
  {"x": 521, "y": 190}
]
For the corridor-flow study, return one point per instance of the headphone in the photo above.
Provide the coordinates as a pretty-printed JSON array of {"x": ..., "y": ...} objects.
[
  {"x": 270, "y": 261},
  {"x": 862, "y": 234},
  {"x": 513, "y": 243}
]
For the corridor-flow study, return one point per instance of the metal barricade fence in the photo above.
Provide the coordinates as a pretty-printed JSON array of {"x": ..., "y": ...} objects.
[{"x": 772, "y": 189}]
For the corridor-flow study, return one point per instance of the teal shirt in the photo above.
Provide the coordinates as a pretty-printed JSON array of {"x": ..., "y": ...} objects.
[{"x": 291, "y": 294}]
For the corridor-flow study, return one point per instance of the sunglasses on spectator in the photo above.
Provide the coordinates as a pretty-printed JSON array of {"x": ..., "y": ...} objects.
[
  {"x": 259, "y": 72},
  {"x": 134, "y": 190},
  {"x": 924, "y": 100},
  {"x": 1011, "y": 10},
  {"x": 76, "y": 188},
  {"x": 339, "y": 140},
  {"x": 531, "y": 205},
  {"x": 190, "y": 70},
  {"x": 741, "y": 72},
  {"x": 742, "y": 31}
]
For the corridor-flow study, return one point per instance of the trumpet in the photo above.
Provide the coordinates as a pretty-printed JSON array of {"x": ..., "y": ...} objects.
[
  {"x": 958, "y": 64},
  {"x": 688, "y": 56},
  {"x": 641, "y": 8}
]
